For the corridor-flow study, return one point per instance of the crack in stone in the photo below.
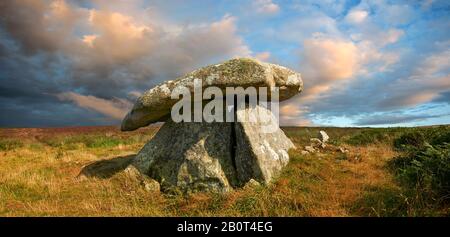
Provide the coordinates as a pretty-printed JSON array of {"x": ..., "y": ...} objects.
[{"x": 233, "y": 146}]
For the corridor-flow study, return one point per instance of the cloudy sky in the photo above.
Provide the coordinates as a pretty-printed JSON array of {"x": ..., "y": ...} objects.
[{"x": 364, "y": 63}]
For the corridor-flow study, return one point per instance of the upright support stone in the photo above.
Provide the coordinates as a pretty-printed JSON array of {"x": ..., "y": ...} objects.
[
  {"x": 190, "y": 156},
  {"x": 216, "y": 156},
  {"x": 260, "y": 155}
]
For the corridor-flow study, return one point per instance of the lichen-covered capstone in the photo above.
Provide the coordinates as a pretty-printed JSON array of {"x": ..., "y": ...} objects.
[{"x": 155, "y": 104}]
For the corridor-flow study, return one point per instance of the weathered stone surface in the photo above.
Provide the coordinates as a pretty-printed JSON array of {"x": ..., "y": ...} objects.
[
  {"x": 252, "y": 184},
  {"x": 342, "y": 150},
  {"x": 310, "y": 149},
  {"x": 156, "y": 103},
  {"x": 148, "y": 183},
  {"x": 190, "y": 156},
  {"x": 323, "y": 136},
  {"x": 304, "y": 152},
  {"x": 315, "y": 142},
  {"x": 151, "y": 185},
  {"x": 260, "y": 155},
  {"x": 215, "y": 156},
  {"x": 197, "y": 156}
]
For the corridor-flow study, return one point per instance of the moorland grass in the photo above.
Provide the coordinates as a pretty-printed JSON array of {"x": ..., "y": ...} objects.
[{"x": 38, "y": 177}]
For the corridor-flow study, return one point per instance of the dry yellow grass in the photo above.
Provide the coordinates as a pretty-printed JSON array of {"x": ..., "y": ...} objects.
[{"x": 39, "y": 179}]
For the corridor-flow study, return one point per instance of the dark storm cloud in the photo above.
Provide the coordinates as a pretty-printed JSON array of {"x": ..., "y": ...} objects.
[
  {"x": 26, "y": 22},
  {"x": 48, "y": 113},
  {"x": 57, "y": 55},
  {"x": 443, "y": 98},
  {"x": 394, "y": 119}
]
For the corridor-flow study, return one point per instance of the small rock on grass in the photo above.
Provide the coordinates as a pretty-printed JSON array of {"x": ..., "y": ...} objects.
[
  {"x": 342, "y": 150},
  {"x": 310, "y": 149},
  {"x": 315, "y": 142},
  {"x": 149, "y": 184},
  {"x": 252, "y": 184},
  {"x": 323, "y": 136}
]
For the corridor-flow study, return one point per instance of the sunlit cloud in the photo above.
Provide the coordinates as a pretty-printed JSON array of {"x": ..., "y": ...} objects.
[
  {"x": 263, "y": 56},
  {"x": 115, "y": 108},
  {"x": 266, "y": 6},
  {"x": 356, "y": 16}
]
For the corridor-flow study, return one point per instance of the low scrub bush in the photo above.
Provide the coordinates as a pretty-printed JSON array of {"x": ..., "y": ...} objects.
[
  {"x": 410, "y": 140},
  {"x": 367, "y": 137},
  {"x": 427, "y": 170},
  {"x": 440, "y": 135},
  {"x": 425, "y": 166},
  {"x": 7, "y": 145}
]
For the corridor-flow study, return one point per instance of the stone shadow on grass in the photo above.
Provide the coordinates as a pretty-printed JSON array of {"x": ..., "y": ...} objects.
[{"x": 106, "y": 168}]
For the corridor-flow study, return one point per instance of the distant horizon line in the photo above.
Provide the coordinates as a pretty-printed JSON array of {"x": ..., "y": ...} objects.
[{"x": 158, "y": 124}]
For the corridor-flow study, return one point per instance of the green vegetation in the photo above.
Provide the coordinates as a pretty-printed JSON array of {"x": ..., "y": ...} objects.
[
  {"x": 424, "y": 167},
  {"x": 427, "y": 169},
  {"x": 9, "y": 144},
  {"x": 369, "y": 136},
  {"x": 90, "y": 141},
  {"x": 410, "y": 140}
]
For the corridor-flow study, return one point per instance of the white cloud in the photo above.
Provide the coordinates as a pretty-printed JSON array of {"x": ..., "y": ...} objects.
[
  {"x": 396, "y": 14},
  {"x": 331, "y": 8},
  {"x": 304, "y": 27},
  {"x": 266, "y": 6},
  {"x": 376, "y": 61},
  {"x": 356, "y": 16},
  {"x": 391, "y": 36}
]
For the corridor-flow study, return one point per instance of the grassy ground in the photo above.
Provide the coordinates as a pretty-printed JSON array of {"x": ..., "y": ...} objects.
[{"x": 38, "y": 170}]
